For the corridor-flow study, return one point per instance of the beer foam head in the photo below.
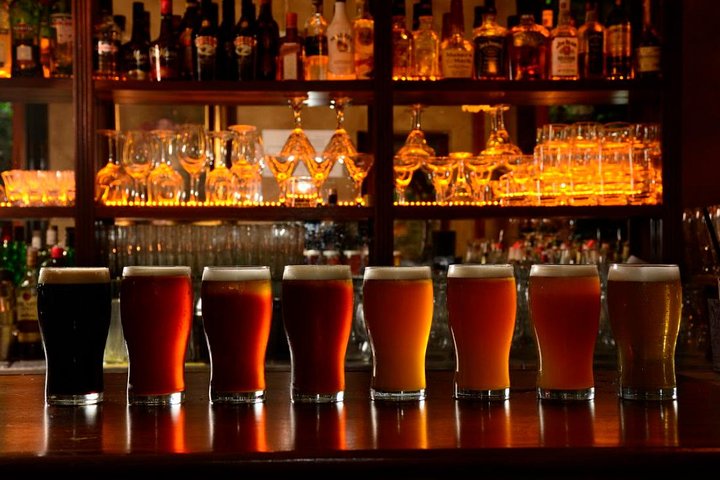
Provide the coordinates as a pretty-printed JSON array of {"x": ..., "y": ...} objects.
[
  {"x": 235, "y": 274},
  {"x": 480, "y": 271},
  {"x": 548, "y": 270},
  {"x": 317, "y": 272},
  {"x": 397, "y": 273},
  {"x": 156, "y": 271},
  {"x": 74, "y": 275},
  {"x": 641, "y": 272}
]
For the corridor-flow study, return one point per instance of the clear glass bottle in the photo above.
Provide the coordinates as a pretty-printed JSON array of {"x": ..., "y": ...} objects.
[
  {"x": 563, "y": 63},
  {"x": 5, "y": 41},
  {"x": 25, "y": 38},
  {"x": 316, "y": 45},
  {"x": 341, "y": 60},
  {"x": 290, "y": 55},
  {"x": 591, "y": 46},
  {"x": 136, "y": 62},
  {"x": 402, "y": 43},
  {"x": 363, "y": 41},
  {"x": 165, "y": 51},
  {"x": 528, "y": 49},
  {"x": 647, "y": 52},
  {"x": 62, "y": 55},
  {"x": 618, "y": 44},
  {"x": 107, "y": 44},
  {"x": 456, "y": 53},
  {"x": 245, "y": 42},
  {"x": 490, "y": 46},
  {"x": 426, "y": 43}
]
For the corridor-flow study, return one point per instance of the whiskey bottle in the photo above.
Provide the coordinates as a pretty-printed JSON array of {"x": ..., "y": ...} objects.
[
  {"x": 591, "y": 46},
  {"x": 107, "y": 44},
  {"x": 225, "y": 55},
  {"x": 316, "y": 45},
  {"x": 205, "y": 42},
  {"x": 363, "y": 41},
  {"x": 164, "y": 51},
  {"x": 647, "y": 52},
  {"x": 245, "y": 42},
  {"x": 563, "y": 63},
  {"x": 618, "y": 44},
  {"x": 188, "y": 25},
  {"x": 5, "y": 41},
  {"x": 290, "y": 56},
  {"x": 135, "y": 53},
  {"x": 402, "y": 43},
  {"x": 490, "y": 46},
  {"x": 426, "y": 43},
  {"x": 341, "y": 61},
  {"x": 528, "y": 49},
  {"x": 25, "y": 38},
  {"x": 456, "y": 53},
  {"x": 28, "y": 344},
  {"x": 268, "y": 42},
  {"x": 62, "y": 54}
]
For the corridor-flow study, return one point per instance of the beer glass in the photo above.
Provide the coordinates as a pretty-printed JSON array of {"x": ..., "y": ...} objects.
[
  {"x": 156, "y": 316},
  {"x": 317, "y": 306},
  {"x": 565, "y": 311},
  {"x": 398, "y": 310},
  {"x": 237, "y": 312},
  {"x": 481, "y": 304},
  {"x": 644, "y": 307},
  {"x": 74, "y": 316}
]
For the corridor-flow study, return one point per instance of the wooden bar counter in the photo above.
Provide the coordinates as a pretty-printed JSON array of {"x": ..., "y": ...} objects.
[{"x": 437, "y": 438}]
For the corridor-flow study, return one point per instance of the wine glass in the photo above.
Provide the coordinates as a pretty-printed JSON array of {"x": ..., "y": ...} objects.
[
  {"x": 248, "y": 160},
  {"x": 137, "y": 160},
  {"x": 412, "y": 155},
  {"x": 297, "y": 144},
  {"x": 340, "y": 146},
  {"x": 220, "y": 183},
  {"x": 498, "y": 142},
  {"x": 112, "y": 184},
  {"x": 193, "y": 156},
  {"x": 358, "y": 166},
  {"x": 282, "y": 168},
  {"x": 165, "y": 184},
  {"x": 441, "y": 170}
]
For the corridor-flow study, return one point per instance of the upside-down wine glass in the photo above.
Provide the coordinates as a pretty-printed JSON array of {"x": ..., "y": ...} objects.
[
  {"x": 165, "y": 184},
  {"x": 220, "y": 183},
  {"x": 193, "y": 156},
  {"x": 340, "y": 146},
  {"x": 112, "y": 184},
  {"x": 411, "y": 156},
  {"x": 137, "y": 160}
]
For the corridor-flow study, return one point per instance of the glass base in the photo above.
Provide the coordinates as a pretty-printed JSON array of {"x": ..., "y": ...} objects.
[
  {"x": 300, "y": 397},
  {"x": 652, "y": 394},
  {"x": 566, "y": 395},
  {"x": 398, "y": 396},
  {"x": 258, "y": 396},
  {"x": 499, "y": 394},
  {"x": 175, "y": 398},
  {"x": 74, "y": 400}
]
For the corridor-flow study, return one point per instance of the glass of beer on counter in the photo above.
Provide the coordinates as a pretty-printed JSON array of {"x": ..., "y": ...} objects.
[
  {"x": 237, "y": 312},
  {"x": 398, "y": 310},
  {"x": 565, "y": 311},
  {"x": 74, "y": 306},
  {"x": 645, "y": 307},
  {"x": 317, "y": 306},
  {"x": 156, "y": 315},
  {"x": 481, "y": 304}
]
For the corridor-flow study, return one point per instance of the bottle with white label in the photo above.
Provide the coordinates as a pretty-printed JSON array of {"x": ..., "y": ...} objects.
[
  {"x": 564, "y": 47},
  {"x": 341, "y": 60}
]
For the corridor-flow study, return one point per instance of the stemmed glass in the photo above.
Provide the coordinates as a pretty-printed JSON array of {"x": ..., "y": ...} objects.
[
  {"x": 220, "y": 183},
  {"x": 498, "y": 142},
  {"x": 358, "y": 166},
  {"x": 441, "y": 173},
  {"x": 165, "y": 184},
  {"x": 340, "y": 146},
  {"x": 137, "y": 160},
  {"x": 297, "y": 144},
  {"x": 112, "y": 184},
  {"x": 193, "y": 156},
  {"x": 411, "y": 156},
  {"x": 248, "y": 160}
]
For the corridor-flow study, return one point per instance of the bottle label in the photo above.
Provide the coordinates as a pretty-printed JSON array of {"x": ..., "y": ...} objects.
[
  {"x": 290, "y": 66},
  {"x": 24, "y": 53},
  {"x": 26, "y": 307},
  {"x": 489, "y": 56},
  {"x": 648, "y": 59},
  {"x": 340, "y": 54},
  {"x": 244, "y": 46},
  {"x": 595, "y": 54},
  {"x": 62, "y": 23},
  {"x": 106, "y": 48},
  {"x": 618, "y": 41},
  {"x": 564, "y": 57},
  {"x": 457, "y": 63},
  {"x": 23, "y": 31},
  {"x": 206, "y": 47},
  {"x": 364, "y": 55}
]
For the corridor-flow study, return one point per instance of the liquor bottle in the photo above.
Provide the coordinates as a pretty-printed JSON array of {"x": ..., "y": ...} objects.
[
  {"x": 69, "y": 248},
  {"x": 591, "y": 46},
  {"x": 456, "y": 53},
  {"x": 47, "y": 41},
  {"x": 341, "y": 60},
  {"x": 402, "y": 43},
  {"x": 245, "y": 43},
  {"x": 290, "y": 55},
  {"x": 547, "y": 14},
  {"x": 225, "y": 55},
  {"x": 528, "y": 49},
  {"x": 164, "y": 51},
  {"x": 25, "y": 38},
  {"x": 205, "y": 42},
  {"x": 618, "y": 44},
  {"x": 268, "y": 42},
  {"x": 5, "y": 40},
  {"x": 61, "y": 21},
  {"x": 426, "y": 43},
  {"x": 136, "y": 61},
  {"x": 188, "y": 25},
  {"x": 363, "y": 41},
  {"x": 316, "y": 45},
  {"x": 647, "y": 52},
  {"x": 563, "y": 64},
  {"x": 107, "y": 37},
  {"x": 28, "y": 344},
  {"x": 490, "y": 46}
]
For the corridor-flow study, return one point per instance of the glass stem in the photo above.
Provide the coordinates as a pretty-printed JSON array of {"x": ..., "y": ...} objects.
[{"x": 194, "y": 188}]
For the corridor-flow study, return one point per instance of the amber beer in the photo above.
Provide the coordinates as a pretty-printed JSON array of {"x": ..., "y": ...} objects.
[
  {"x": 398, "y": 310},
  {"x": 237, "y": 312},
  {"x": 565, "y": 311},
  {"x": 317, "y": 306},
  {"x": 74, "y": 306},
  {"x": 644, "y": 306},
  {"x": 481, "y": 304},
  {"x": 156, "y": 316}
]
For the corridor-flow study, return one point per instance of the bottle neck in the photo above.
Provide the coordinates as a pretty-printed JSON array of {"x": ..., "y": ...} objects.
[
  {"x": 265, "y": 10},
  {"x": 340, "y": 14}
]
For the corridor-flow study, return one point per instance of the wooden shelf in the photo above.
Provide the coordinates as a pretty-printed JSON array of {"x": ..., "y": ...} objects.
[
  {"x": 36, "y": 212},
  {"x": 464, "y": 212},
  {"x": 36, "y": 90},
  {"x": 235, "y": 213}
]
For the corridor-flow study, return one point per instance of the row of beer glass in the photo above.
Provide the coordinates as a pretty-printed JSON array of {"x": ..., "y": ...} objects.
[{"x": 644, "y": 303}]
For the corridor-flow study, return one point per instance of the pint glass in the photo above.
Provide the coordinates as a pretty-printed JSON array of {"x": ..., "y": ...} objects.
[
  {"x": 565, "y": 311},
  {"x": 398, "y": 310},
  {"x": 644, "y": 306},
  {"x": 156, "y": 315},
  {"x": 481, "y": 304},
  {"x": 237, "y": 312},
  {"x": 317, "y": 306},
  {"x": 74, "y": 315}
]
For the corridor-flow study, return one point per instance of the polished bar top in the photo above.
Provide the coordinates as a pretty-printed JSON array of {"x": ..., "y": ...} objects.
[{"x": 522, "y": 436}]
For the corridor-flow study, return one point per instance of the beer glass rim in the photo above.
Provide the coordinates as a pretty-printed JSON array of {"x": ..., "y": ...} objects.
[
  {"x": 235, "y": 273},
  {"x": 468, "y": 270},
  {"x": 73, "y": 275},
  {"x": 317, "y": 272},
  {"x": 644, "y": 272},
  {"x": 156, "y": 271},
  {"x": 397, "y": 273},
  {"x": 563, "y": 270}
]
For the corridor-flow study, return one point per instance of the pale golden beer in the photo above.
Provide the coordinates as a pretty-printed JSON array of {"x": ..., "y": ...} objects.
[{"x": 645, "y": 307}]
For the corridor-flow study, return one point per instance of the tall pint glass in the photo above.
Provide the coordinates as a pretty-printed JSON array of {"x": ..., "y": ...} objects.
[
  {"x": 74, "y": 316},
  {"x": 565, "y": 311},
  {"x": 645, "y": 307},
  {"x": 481, "y": 304},
  {"x": 317, "y": 306},
  {"x": 237, "y": 312},
  {"x": 398, "y": 310},
  {"x": 156, "y": 316}
]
